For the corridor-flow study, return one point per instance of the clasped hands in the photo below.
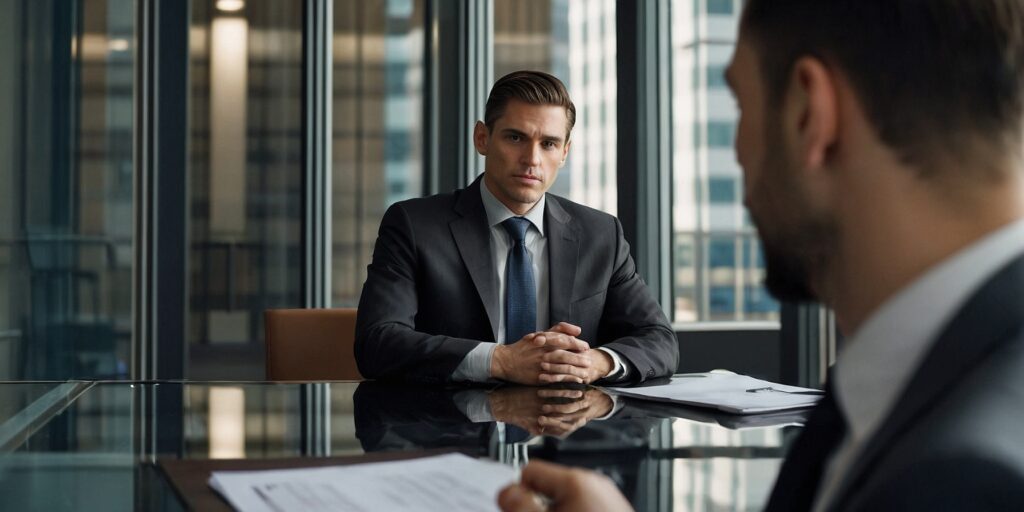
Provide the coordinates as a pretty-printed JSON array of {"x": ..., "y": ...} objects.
[{"x": 550, "y": 356}]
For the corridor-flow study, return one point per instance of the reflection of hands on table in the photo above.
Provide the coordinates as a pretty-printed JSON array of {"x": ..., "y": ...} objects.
[{"x": 553, "y": 412}]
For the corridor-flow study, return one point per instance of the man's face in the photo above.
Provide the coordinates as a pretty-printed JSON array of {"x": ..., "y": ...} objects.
[
  {"x": 523, "y": 152},
  {"x": 798, "y": 242}
]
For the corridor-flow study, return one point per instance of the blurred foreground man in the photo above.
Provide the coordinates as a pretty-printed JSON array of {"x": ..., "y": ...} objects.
[{"x": 881, "y": 143}]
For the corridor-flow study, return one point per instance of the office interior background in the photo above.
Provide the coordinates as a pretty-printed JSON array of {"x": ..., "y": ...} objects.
[{"x": 169, "y": 170}]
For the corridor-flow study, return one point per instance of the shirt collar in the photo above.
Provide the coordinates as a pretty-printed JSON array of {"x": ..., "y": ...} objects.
[
  {"x": 498, "y": 212},
  {"x": 878, "y": 361}
]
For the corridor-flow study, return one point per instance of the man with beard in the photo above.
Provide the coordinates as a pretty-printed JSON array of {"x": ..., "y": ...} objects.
[{"x": 881, "y": 144}]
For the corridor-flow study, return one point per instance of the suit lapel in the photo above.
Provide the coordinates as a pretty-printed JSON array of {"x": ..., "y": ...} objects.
[
  {"x": 473, "y": 238},
  {"x": 981, "y": 326},
  {"x": 563, "y": 258},
  {"x": 799, "y": 479}
]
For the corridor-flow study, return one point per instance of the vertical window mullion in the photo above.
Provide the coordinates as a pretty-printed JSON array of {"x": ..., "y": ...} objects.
[
  {"x": 316, "y": 109},
  {"x": 644, "y": 156},
  {"x": 461, "y": 59}
]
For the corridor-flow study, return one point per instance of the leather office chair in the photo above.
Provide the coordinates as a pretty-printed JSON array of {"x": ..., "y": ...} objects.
[{"x": 311, "y": 344}]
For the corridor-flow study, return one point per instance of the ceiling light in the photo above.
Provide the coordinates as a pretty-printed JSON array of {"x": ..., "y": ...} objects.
[
  {"x": 118, "y": 45},
  {"x": 230, "y": 5}
]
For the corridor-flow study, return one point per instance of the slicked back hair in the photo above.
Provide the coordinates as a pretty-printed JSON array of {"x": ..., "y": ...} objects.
[
  {"x": 532, "y": 87},
  {"x": 941, "y": 80}
]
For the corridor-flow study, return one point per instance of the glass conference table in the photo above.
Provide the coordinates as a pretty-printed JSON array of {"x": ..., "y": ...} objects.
[{"x": 104, "y": 445}]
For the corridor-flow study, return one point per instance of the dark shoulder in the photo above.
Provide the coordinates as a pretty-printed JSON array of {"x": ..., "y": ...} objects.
[
  {"x": 986, "y": 400},
  {"x": 980, "y": 415},
  {"x": 583, "y": 215},
  {"x": 954, "y": 482},
  {"x": 965, "y": 454},
  {"x": 434, "y": 203},
  {"x": 433, "y": 210}
]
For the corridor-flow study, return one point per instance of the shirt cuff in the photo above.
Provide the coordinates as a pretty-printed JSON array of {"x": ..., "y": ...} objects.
[
  {"x": 476, "y": 366},
  {"x": 475, "y": 405},
  {"x": 616, "y": 405},
  {"x": 620, "y": 370}
]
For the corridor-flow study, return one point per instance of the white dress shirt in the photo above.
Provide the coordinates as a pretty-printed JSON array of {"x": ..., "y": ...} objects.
[
  {"x": 476, "y": 366},
  {"x": 877, "y": 362}
]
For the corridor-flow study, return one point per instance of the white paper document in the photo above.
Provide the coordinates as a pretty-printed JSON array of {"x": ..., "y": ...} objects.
[
  {"x": 443, "y": 483},
  {"x": 729, "y": 392}
]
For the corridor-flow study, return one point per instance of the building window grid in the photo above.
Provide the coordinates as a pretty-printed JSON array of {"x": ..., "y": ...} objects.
[
  {"x": 716, "y": 195},
  {"x": 719, "y": 7}
]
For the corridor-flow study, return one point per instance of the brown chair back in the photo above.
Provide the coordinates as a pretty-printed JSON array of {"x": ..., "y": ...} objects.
[{"x": 311, "y": 344}]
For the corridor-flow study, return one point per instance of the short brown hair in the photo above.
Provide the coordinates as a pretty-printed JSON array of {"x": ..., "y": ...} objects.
[
  {"x": 533, "y": 87},
  {"x": 939, "y": 79}
]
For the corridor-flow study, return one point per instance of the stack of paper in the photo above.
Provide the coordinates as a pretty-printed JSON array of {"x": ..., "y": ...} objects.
[
  {"x": 443, "y": 483},
  {"x": 729, "y": 392},
  {"x": 638, "y": 406}
]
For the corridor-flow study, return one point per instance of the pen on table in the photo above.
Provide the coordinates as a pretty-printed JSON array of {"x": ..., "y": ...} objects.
[{"x": 768, "y": 389}]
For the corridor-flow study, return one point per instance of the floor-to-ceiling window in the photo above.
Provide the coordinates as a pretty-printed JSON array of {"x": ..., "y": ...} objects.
[
  {"x": 717, "y": 266},
  {"x": 66, "y": 188},
  {"x": 377, "y": 154},
  {"x": 245, "y": 178},
  {"x": 67, "y": 175}
]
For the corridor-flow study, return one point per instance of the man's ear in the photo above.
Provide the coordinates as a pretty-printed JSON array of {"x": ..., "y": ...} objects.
[
  {"x": 480, "y": 135},
  {"x": 812, "y": 112},
  {"x": 565, "y": 151}
]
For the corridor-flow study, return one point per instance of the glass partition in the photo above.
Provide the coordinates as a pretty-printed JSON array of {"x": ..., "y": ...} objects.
[
  {"x": 66, "y": 187},
  {"x": 15, "y": 397},
  {"x": 377, "y": 152},
  {"x": 245, "y": 179}
]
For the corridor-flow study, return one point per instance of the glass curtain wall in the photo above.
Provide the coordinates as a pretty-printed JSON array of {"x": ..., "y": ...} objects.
[
  {"x": 66, "y": 164},
  {"x": 575, "y": 41},
  {"x": 377, "y": 153},
  {"x": 717, "y": 264},
  {"x": 65, "y": 188},
  {"x": 245, "y": 179}
]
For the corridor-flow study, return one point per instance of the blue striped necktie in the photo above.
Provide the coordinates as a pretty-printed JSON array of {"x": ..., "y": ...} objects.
[{"x": 520, "y": 293}]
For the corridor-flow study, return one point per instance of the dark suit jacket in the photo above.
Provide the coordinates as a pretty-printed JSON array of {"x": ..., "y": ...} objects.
[
  {"x": 431, "y": 293},
  {"x": 955, "y": 439}
]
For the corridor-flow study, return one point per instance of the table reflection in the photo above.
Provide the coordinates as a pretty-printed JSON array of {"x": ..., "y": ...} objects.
[
  {"x": 84, "y": 436},
  {"x": 391, "y": 417}
]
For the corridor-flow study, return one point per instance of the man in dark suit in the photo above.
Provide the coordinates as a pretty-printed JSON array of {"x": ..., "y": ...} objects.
[
  {"x": 882, "y": 143},
  {"x": 549, "y": 280}
]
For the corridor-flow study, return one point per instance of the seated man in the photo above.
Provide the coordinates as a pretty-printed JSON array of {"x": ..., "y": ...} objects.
[{"x": 502, "y": 281}]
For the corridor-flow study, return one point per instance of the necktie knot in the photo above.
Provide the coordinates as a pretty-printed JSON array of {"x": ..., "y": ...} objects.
[{"x": 516, "y": 228}]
